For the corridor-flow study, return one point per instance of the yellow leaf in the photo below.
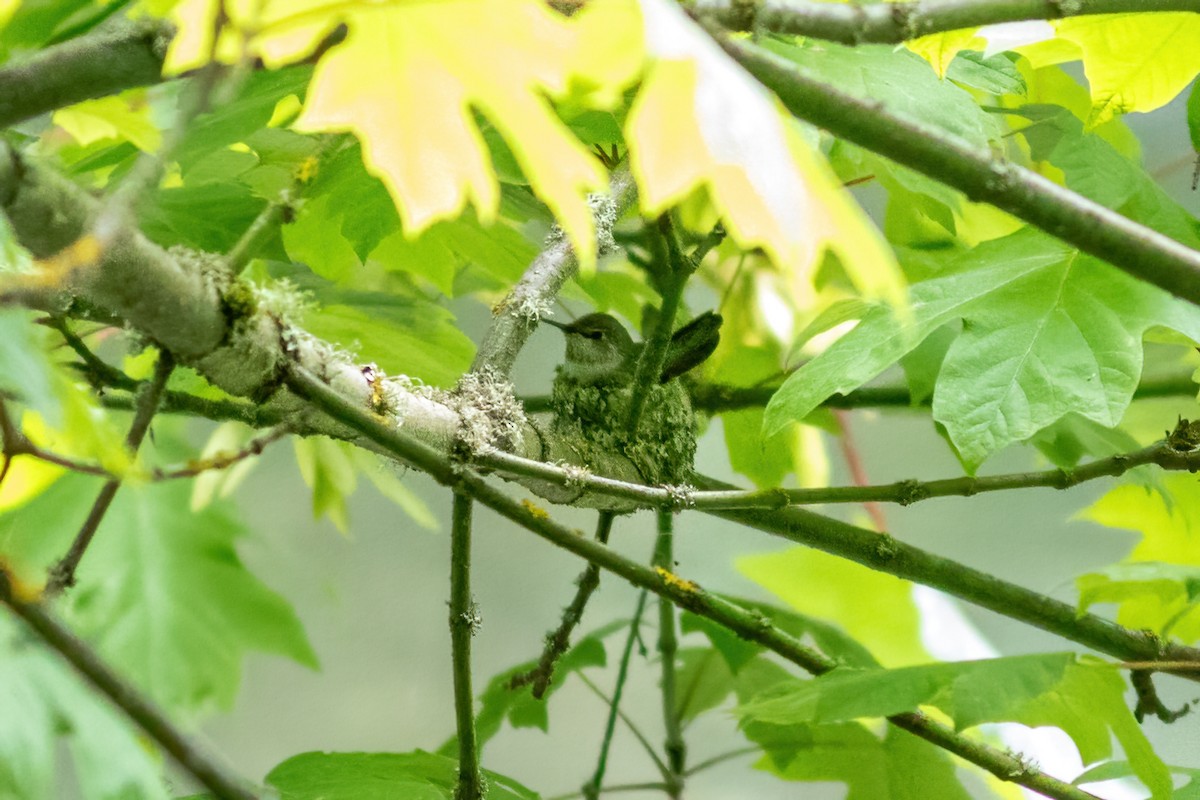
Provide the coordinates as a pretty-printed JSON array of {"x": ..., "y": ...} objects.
[
  {"x": 1134, "y": 62},
  {"x": 700, "y": 122},
  {"x": 409, "y": 78},
  {"x": 939, "y": 49}
]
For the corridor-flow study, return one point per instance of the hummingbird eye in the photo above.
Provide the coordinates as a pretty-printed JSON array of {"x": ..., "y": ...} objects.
[{"x": 592, "y": 334}]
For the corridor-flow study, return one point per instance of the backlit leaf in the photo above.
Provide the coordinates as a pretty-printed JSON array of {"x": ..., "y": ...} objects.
[
  {"x": 1134, "y": 62},
  {"x": 700, "y": 122},
  {"x": 869, "y": 606}
]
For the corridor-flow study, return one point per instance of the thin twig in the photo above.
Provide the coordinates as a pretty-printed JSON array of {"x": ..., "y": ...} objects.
[
  {"x": 1163, "y": 454},
  {"x": 642, "y": 739},
  {"x": 559, "y": 640},
  {"x": 668, "y": 648},
  {"x": 223, "y": 460},
  {"x": 723, "y": 757},
  {"x": 1148, "y": 701},
  {"x": 715, "y": 398},
  {"x": 188, "y": 754},
  {"x": 591, "y": 789},
  {"x": 464, "y": 621},
  {"x": 62, "y": 574}
]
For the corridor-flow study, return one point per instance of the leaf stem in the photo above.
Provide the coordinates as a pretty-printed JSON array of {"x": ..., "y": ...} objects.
[
  {"x": 464, "y": 621},
  {"x": 62, "y": 574},
  {"x": 591, "y": 789},
  {"x": 668, "y": 648},
  {"x": 188, "y": 754}
]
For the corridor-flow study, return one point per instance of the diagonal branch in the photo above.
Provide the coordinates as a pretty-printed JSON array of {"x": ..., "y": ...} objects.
[
  {"x": 516, "y": 316},
  {"x": 188, "y": 754},
  {"x": 1142, "y": 252},
  {"x": 857, "y": 23},
  {"x": 685, "y": 594}
]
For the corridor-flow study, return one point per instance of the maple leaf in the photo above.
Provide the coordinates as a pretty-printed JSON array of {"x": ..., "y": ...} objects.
[{"x": 700, "y": 121}]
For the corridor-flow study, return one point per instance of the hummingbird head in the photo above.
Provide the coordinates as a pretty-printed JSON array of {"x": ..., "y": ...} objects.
[{"x": 597, "y": 347}]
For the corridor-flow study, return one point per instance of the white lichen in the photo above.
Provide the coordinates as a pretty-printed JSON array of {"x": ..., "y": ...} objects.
[{"x": 490, "y": 416}]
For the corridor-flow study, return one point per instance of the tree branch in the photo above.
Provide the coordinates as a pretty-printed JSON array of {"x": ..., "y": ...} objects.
[
  {"x": 516, "y": 316},
  {"x": 464, "y": 621},
  {"x": 591, "y": 789},
  {"x": 1142, "y": 252},
  {"x": 856, "y": 23},
  {"x": 188, "y": 754},
  {"x": 668, "y": 648},
  {"x": 684, "y": 593},
  {"x": 131, "y": 54}
]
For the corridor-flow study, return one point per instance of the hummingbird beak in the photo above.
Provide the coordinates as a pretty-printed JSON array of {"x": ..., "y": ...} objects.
[{"x": 555, "y": 323}]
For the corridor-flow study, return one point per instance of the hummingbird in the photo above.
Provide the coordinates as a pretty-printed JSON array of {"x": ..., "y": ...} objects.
[{"x": 593, "y": 392}]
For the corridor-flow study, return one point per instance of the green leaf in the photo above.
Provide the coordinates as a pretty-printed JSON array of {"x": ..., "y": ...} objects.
[
  {"x": 1193, "y": 116},
  {"x": 899, "y": 79},
  {"x": 702, "y": 682},
  {"x": 380, "y": 776},
  {"x": 1152, "y": 596},
  {"x": 162, "y": 593},
  {"x": 1083, "y": 697},
  {"x": 327, "y": 469},
  {"x": 43, "y": 701},
  {"x": 869, "y": 606},
  {"x": 738, "y": 652},
  {"x": 1048, "y": 331},
  {"x": 1156, "y": 585},
  {"x": 209, "y": 216},
  {"x": 25, "y": 369},
  {"x": 404, "y": 336},
  {"x": 898, "y": 767},
  {"x": 238, "y": 118},
  {"x": 996, "y": 74}
]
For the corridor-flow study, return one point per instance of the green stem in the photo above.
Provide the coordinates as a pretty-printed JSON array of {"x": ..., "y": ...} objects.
[
  {"x": 464, "y": 620},
  {"x": 654, "y": 352},
  {"x": 856, "y": 23},
  {"x": 686, "y": 594},
  {"x": 591, "y": 789},
  {"x": 668, "y": 648},
  {"x": 983, "y": 176},
  {"x": 188, "y": 754}
]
